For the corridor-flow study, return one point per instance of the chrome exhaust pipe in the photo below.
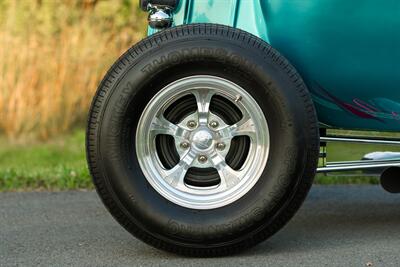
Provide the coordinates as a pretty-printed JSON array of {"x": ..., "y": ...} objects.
[{"x": 390, "y": 180}]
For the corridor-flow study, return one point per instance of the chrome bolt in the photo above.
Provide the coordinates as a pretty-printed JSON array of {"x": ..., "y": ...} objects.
[
  {"x": 191, "y": 124},
  {"x": 221, "y": 146},
  {"x": 185, "y": 145},
  {"x": 214, "y": 124},
  {"x": 202, "y": 159}
]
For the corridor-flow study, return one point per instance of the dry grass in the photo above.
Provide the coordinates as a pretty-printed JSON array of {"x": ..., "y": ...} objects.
[{"x": 53, "y": 54}]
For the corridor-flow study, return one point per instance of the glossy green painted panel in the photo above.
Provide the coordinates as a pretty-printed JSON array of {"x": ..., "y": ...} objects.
[{"x": 348, "y": 52}]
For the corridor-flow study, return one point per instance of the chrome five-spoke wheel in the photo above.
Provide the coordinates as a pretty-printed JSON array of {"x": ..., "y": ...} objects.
[{"x": 202, "y": 142}]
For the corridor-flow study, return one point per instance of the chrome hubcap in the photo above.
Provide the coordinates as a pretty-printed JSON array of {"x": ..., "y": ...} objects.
[{"x": 202, "y": 140}]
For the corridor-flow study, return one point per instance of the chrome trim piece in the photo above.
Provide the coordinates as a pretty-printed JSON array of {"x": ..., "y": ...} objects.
[
  {"x": 160, "y": 17},
  {"x": 359, "y": 140},
  {"x": 360, "y": 162}
]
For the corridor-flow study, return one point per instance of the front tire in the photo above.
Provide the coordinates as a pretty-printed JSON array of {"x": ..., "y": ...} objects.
[{"x": 202, "y": 140}]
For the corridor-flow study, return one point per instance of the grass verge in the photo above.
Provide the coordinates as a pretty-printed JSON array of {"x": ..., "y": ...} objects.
[{"x": 58, "y": 164}]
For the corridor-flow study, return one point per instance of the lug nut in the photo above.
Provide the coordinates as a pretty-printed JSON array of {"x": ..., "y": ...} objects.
[
  {"x": 221, "y": 146},
  {"x": 191, "y": 124},
  {"x": 185, "y": 145},
  {"x": 214, "y": 124},
  {"x": 202, "y": 159}
]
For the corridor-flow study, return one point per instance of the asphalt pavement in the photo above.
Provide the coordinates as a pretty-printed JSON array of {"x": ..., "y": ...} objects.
[{"x": 337, "y": 226}]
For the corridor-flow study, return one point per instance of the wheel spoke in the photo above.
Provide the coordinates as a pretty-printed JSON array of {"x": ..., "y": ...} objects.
[
  {"x": 203, "y": 99},
  {"x": 245, "y": 126},
  {"x": 160, "y": 125},
  {"x": 175, "y": 176},
  {"x": 229, "y": 177}
]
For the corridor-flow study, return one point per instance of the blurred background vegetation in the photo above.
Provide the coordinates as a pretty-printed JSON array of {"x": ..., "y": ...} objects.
[{"x": 53, "y": 54}]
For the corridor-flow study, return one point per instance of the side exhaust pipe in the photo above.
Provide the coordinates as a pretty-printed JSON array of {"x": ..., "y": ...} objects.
[
  {"x": 387, "y": 164},
  {"x": 390, "y": 179}
]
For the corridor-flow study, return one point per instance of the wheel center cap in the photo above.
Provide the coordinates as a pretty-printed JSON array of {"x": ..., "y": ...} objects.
[{"x": 202, "y": 139}]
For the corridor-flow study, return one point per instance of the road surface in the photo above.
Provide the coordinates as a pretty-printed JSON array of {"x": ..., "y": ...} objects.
[{"x": 337, "y": 226}]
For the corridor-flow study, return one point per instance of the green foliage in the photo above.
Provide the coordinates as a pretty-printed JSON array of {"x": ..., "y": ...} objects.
[{"x": 336, "y": 179}]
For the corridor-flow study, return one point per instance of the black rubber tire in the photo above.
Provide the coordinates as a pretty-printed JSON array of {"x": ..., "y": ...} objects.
[{"x": 214, "y": 50}]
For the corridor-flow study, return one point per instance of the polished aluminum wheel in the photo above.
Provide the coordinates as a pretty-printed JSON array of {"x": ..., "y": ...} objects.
[{"x": 203, "y": 140}]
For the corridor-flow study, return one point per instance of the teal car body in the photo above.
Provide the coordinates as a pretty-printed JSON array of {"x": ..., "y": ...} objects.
[{"x": 348, "y": 52}]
